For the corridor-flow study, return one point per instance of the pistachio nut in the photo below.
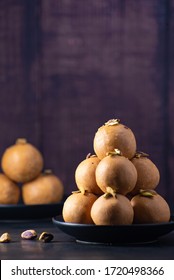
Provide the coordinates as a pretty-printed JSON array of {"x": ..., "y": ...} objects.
[
  {"x": 46, "y": 237},
  {"x": 5, "y": 237},
  {"x": 29, "y": 234}
]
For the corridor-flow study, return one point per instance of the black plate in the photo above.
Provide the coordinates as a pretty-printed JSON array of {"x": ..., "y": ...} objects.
[
  {"x": 127, "y": 234},
  {"x": 23, "y": 212}
]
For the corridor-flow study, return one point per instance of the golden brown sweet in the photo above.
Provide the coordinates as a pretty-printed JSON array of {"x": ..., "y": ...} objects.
[
  {"x": 85, "y": 175},
  {"x": 114, "y": 135},
  {"x": 77, "y": 208},
  {"x": 45, "y": 189},
  {"x": 112, "y": 210},
  {"x": 150, "y": 207},
  {"x": 22, "y": 162},
  {"x": 9, "y": 191},
  {"x": 117, "y": 172},
  {"x": 148, "y": 175}
]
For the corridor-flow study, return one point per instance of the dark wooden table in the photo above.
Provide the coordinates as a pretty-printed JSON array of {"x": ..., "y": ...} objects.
[{"x": 64, "y": 247}]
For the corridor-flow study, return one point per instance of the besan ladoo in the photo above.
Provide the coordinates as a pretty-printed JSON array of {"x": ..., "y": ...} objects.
[
  {"x": 117, "y": 172},
  {"x": 114, "y": 135},
  {"x": 85, "y": 175},
  {"x": 148, "y": 175}
]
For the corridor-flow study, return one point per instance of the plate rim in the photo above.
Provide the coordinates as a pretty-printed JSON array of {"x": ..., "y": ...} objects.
[
  {"x": 61, "y": 222},
  {"x": 29, "y": 212},
  {"x": 22, "y": 205},
  {"x": 117, "y": 234}
]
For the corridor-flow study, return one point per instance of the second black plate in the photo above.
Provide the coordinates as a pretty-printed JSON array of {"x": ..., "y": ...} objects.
[
  {"x": 127, "y": 234},
  {"x": 23, "y": 212}
]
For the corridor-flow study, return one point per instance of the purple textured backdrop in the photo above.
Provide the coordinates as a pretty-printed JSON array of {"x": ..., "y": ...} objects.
[{"x": 66, "y": 67}]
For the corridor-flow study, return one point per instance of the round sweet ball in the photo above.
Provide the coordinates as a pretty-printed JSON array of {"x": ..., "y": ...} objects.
[
  {"x": 47, "y": 188},
  {"x": 112, "y": 210},
  {"x": 114, "y": 135},
  {"x": 150, "y": 207},
  {"x": 22, "y": 162},
  {"x": 9, "y": 191},
  {"x": 77, "y": 208}
]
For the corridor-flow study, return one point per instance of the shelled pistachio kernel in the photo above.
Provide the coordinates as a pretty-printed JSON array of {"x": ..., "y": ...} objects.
[
  {"x": 46, "y": 237},
  {"x": 29, "y": 234},
  {"x": 5, "y": 238}
]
